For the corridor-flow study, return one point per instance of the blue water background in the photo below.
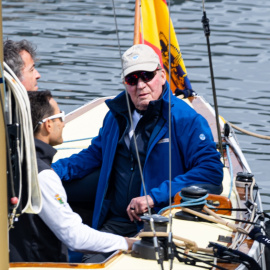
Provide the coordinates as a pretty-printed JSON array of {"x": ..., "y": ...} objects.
[{"x": 79, "y": 57}]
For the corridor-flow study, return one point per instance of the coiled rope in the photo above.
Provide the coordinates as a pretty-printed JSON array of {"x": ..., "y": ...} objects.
[
  {"x": 25, "y": 144},
  {"x": 188, "y": 202}
]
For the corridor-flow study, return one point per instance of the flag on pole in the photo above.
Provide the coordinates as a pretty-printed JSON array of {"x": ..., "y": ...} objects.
[{"x": 154, "y": 31}]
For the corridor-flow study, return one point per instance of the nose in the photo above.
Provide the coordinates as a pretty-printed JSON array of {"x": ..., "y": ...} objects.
[
  {"x": 37, "y": 75},
  {"x": 140, "y": 83}
]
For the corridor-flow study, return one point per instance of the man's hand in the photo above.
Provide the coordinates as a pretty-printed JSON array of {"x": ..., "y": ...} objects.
[
  {"x": 130, "y": 242},
  {"x": 138, "y": 206}
]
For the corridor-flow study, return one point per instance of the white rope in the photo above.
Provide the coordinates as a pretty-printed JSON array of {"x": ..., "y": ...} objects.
[
  {"x": 239, "y": 238},
  {"x": 26, "y": 141}
]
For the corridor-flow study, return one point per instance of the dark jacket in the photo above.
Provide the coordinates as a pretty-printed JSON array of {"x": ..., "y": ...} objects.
[{"x": 31, "y": 240}]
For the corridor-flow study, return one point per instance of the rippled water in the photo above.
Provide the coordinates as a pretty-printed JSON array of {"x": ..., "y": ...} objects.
[{"x": 79, "y": 57}]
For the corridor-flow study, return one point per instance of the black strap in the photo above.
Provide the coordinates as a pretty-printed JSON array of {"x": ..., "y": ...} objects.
[
  {"x": 256, "y": 234},
  {"x": 232, "y": 255},
  {"x": 230, "y": 209},
  {"x": 191, "y": 260},
  {"x": 240, "y": 220},
  {"x": 186, "y": 92}
]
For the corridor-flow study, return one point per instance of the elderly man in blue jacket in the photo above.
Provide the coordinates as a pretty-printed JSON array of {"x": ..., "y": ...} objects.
[{"x": 120, "y": 199}]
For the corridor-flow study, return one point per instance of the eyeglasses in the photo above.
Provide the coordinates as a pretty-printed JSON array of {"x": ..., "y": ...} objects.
[
  {"x": 59, "y": 115},
  {"x": 146, "y": 76}
]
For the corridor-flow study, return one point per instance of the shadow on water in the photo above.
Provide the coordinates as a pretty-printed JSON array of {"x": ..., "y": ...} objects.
[{"x": 79, "y": 57}]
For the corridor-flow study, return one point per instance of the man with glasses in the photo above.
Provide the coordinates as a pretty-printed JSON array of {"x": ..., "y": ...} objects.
[
  {"x": 39, "y": 238},
  {"x": 120, "y": 198}
]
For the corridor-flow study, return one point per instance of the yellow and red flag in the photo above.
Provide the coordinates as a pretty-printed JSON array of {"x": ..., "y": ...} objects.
[{"x": 154, "y": 32}]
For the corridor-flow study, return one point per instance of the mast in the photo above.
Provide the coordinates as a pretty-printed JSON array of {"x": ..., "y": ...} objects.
[
  {"x": 136, "y": 39},
  {"x": 4, "y": 261}
]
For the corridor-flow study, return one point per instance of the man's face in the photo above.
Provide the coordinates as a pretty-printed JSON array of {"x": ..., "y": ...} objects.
[
  {"x": 57, "y": 126},
  {"x": 142, "y": 93},
  {"x": 29, "y": 73}
]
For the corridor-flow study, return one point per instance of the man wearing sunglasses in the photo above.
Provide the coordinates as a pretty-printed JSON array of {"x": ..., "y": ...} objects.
[
  {"x": 120, "y": 198},
  {"x": 39, "y": 238}
]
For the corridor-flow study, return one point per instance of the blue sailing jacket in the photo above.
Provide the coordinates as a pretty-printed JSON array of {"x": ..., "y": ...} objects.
[{"x": 195, "y": 159}]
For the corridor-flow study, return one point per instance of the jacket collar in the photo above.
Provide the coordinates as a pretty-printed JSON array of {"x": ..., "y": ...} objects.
[{"x": 44, "y": 151}]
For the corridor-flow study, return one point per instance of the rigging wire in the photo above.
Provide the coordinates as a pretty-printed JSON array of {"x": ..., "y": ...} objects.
[
  {"x": 170, "y": 251},
  {"x": 205, "y": 22},
  {"x": 155, "y": 240},
  {"x": 238, "y": 238},
  {"x": 130, "y": 115}
]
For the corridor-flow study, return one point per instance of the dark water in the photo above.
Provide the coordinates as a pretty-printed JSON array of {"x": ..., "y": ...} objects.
[{"x": 79, "y": 57}]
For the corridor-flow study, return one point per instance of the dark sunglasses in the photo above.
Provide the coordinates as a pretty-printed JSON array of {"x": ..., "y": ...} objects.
[{"x": 146, "y": 76}]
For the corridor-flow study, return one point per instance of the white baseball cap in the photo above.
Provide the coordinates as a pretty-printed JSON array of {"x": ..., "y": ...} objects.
[{"x": 139, "y": 57}]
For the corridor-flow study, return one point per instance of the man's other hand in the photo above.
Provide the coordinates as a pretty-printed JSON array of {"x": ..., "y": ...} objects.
[{"x": 138, "y": 206}]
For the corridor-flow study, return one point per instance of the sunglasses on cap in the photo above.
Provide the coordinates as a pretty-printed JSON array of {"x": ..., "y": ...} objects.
[
  {"x": 146, "y": 76},
  {"x": 60, "y": 115}
]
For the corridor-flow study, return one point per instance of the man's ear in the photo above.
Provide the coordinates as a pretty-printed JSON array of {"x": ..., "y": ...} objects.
[
  {"x": 163, "y": 76},
  {"x": 48, "y": 126}
]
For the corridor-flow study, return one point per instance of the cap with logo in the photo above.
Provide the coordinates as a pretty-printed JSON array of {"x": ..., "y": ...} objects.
[{"x": 139, "y": 57}]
